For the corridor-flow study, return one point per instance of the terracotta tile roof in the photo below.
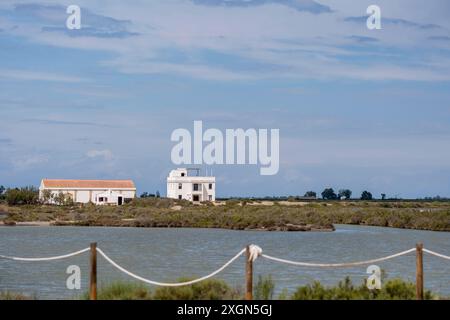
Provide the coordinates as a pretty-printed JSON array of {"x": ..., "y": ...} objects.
[{"x": 102, "y": 184}]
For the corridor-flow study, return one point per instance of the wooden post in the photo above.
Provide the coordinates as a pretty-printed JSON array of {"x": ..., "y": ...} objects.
[
  {"x": 419, "y": 271},
  {"x": 248, "y": 275},
  {"x": 93, "y": 277}
]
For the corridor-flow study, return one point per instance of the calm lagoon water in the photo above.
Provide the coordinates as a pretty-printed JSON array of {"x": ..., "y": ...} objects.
[{"x": 168, "y": 254}]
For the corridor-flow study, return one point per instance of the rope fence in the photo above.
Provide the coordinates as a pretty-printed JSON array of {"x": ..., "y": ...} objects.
[
  {"x": 338, "y": 265},
  {"x": 69, "y": 255},
  {"x": 163, "y": 284},
  {"x": 436, "y": 254},
  {"x": 252, "y": 253}
]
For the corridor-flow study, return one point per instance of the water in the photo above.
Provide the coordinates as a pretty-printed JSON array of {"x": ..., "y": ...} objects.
[{"x": 168, "y": 254}]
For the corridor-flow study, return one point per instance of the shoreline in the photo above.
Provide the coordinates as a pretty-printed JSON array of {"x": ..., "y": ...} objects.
[
  {"x": 75, "y": 224},
  {"x": 286, "y": 228},
  {"x": 27, "y": 224},
  {"x": 274, "y": 229}
]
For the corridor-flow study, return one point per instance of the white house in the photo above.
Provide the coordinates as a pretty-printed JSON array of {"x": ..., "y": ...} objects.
[
  {"x": 100, "y": 192},
  {"x": 182, "y": 185}
]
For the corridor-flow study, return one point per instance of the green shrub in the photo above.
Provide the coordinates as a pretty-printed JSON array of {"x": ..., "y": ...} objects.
[
  {"x": 395, "y": 289},
  {"x": 264, "y": 288},
  {"x": 122, "y": 291},
  {"x": 211, "y": 289},
  {"x": 22, "y": 196}
]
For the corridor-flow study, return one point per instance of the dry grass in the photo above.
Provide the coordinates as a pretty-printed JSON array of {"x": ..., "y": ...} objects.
[{"x": 241, "y": 215}]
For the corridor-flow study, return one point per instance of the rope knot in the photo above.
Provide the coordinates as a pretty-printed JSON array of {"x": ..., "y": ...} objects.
[{"x": 255, "y": 252}]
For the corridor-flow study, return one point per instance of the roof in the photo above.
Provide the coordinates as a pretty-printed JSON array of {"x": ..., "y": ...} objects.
[{"x": 89, "y": 184}]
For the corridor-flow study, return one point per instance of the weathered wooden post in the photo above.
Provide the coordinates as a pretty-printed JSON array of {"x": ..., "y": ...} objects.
[
  {"x": 93, "y": 277},
  {"x": 419, "y": 271},
  {"x": 248, "y": 275}
]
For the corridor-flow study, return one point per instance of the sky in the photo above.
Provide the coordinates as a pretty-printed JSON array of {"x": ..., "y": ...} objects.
[{"x": 356, "y": 108}]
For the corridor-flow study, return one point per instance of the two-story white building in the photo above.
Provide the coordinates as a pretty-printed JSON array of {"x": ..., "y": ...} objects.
[
  {"x": 100, "y": 192},
  {"x": 182, "y": 184}
]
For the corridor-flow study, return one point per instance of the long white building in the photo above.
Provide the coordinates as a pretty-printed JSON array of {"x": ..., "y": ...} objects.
[
  {"x": 100, "y": 192},
  {"x": 183, "y": 185}
]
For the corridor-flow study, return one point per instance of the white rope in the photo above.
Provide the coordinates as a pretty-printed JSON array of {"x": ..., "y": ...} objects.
[
  {"x": 436, "y": 254},
  {"x": 162, "y": 284},
  {"x": 46, "y": 259},
  {"x": 338, "y": 265}
]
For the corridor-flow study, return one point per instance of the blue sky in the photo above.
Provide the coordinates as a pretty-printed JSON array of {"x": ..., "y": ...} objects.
[{"x": 356, "y": 108}]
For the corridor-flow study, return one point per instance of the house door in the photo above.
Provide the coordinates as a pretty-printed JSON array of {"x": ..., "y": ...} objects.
[{"x": 119, "y": 201}]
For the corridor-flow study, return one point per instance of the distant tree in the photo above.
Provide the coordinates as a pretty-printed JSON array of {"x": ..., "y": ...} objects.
[
  {"x": 329, "y": 194},
  {"x": 144, "y": 195},
  {"x": 47, "y": 196},
  {"x": 2, "y": 193},
  {"x": 157, "y": 194},
  {"x": 64, "y": 199},
  {"x": 366, "y": 195},
  {"x": 59, "y": 198},
  {"x": 22, "y": 196},
  {"x": 383, "y": 196},
  {"x": 310, "y": 194},
  {"x": 346, "y": 193}
]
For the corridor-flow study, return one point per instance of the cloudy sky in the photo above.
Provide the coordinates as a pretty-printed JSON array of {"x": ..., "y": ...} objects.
[{"x": 356, "y": 108}]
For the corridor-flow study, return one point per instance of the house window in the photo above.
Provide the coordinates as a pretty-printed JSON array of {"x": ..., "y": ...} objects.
[
  {"x": 210, "y": 197},
  {"x": 179, "y": 197},
  {"x": 195, "y": 187},
  {"x": 182, "y": 174},
  {"x": 196, "y": 198},
  {"x": 210, "y": 186},
  {"x": 180, "y": 186}
]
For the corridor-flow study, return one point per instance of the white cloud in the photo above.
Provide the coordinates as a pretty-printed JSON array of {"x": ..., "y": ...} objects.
[
  {"x": 37, "y": 76},
  {"x": 271, "y": 40},
  {"x": 30, "y": 161},
  {"x": 104, "y": 154}
]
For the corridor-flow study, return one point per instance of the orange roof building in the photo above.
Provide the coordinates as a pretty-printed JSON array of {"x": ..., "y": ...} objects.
[{"x": 115, "y": 192}]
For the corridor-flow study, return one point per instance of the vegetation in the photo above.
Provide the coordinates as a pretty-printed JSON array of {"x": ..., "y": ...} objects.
[
  {"x": 311, "y": 194},
  {"x": 213, "y": 289},
  {"x": 62, "y": 199},
  {"x": 329, "y": 194},
  {"x": 22, "y": 196},
  {"x": 8, "y": 295},
  {"x": 264, "y": 288},
  {"x": 150, "y": 195},
  {"x": 366, "y": 195},
  {"x": 233, "y": 214},
  {"x": 395, "y": 289},
  {"x": 2, "y": 193},
  {"x": 122, "y": 291},
  {"x": 345, "y": 193}
]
